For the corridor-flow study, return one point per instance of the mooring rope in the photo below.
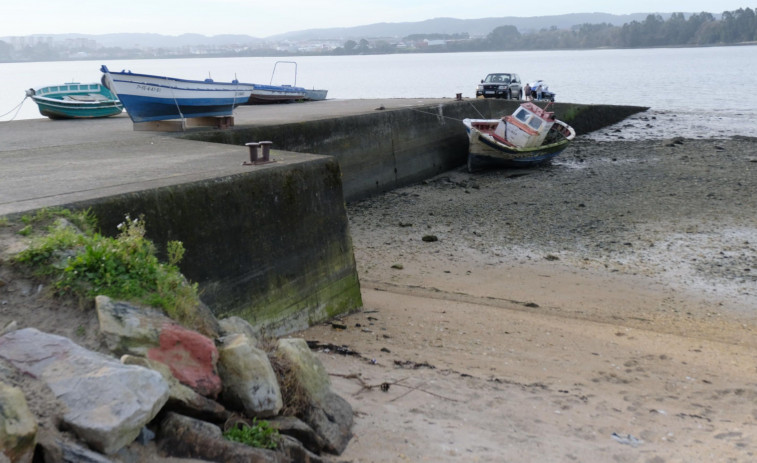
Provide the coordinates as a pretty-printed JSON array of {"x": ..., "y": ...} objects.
[
  {"x": 437, "y": 115},
  {"x": 448, "y": 117},
  {"x": 16, "y": 108}
]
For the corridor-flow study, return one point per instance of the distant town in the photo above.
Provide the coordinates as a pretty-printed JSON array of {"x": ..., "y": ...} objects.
[
  {"x": 489, "y": 34},
  {"x": 50, "y": 48}
]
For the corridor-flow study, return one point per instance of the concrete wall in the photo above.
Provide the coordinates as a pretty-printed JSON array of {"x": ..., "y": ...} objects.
[
  {"x": 271, "y": 245},
  {"x": 385, "y": 150}
]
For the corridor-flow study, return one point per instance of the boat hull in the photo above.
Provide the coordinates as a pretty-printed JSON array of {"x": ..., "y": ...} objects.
[
  {"x": 485, "y": 151},
  {"x": 154, "y": 98},
  {"x": 76, "y": 101},
  {"x": 269, "y": 94}
]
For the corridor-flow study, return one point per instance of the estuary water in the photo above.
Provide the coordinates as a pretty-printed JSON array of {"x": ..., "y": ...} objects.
[{"x": 705, "y": 91}]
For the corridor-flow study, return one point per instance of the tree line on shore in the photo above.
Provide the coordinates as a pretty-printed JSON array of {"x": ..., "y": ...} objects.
[{"x": 699, "y": 29}]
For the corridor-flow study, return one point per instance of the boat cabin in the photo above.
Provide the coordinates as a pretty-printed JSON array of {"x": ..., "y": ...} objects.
[{"x": 527, "y": 127}]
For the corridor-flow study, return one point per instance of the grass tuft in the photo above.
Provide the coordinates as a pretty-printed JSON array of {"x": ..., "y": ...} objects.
[
  {"x": 255, "y": 433},
  {"x": 84, "y": 264}
]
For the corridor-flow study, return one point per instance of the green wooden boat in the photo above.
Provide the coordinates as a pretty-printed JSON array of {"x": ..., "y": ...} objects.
[{"x": 73, "y": 100}]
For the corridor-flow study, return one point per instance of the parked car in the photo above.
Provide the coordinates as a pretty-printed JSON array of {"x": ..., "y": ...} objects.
[{"x": 500, "y": 85}]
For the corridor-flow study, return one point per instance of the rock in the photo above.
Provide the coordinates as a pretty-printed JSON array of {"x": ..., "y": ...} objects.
[
  {"x": 184, "y": 437},
  {"x": 673, "y": 141},
  {"x": 182, "y": 399},
  {"x": 331, "y": 418},
  {"x": 205, "y": 322},
  {"x": 18, "y": 427},
  {"x": 10, "y": 326},
  {"x": 329, "y": 415},
  {"x": 191, "y": 356},
  {"x": 249, "y": 382},
  {"x": 238, "y": 325},
  {"x": 127, "y": 329},
  {"x": 108, "y": 403},
  {"x": 298, "y": 429},
  {"x": 61, "y": 451},
  {"x": 294, "y": 449},
  {"x": 310, "y": 372},
  {"x": 148, "y": 333},
  {"x": 430, "y": 238}
]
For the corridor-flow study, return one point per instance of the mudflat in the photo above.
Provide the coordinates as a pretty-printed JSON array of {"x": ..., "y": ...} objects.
[{"x": 602, "y": 308}]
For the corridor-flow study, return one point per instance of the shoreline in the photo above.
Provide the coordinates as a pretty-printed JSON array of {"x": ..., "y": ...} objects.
[{"x": 599, "y": 308}]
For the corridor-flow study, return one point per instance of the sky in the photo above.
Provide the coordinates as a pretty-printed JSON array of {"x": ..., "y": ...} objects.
[{"x": 270, "y": 17}]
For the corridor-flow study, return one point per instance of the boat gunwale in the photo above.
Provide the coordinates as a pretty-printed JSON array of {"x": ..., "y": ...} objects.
[{"x": 73, "y": 103}]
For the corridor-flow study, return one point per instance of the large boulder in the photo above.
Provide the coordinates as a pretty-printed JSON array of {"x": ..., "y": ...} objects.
[
  {"x": 108, "y": 403},
  {"x": 238, "y": 325},
  {"x": 329, "y": 414},
  {"x": 249, "y": 382},
  {"x": 182, "y": 399},
  {"x": 148, "y": 333},
  {"x": 18, "y": 427}
]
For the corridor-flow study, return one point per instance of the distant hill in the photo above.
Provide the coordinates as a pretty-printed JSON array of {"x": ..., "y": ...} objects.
[{"x": 474, "y": 27}]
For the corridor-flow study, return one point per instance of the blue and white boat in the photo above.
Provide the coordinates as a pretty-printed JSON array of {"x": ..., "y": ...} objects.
[{"x": 155, "y": 98}]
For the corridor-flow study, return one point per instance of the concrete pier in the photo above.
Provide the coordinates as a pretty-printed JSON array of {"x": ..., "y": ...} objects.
[{"x": 266, "y": 241}]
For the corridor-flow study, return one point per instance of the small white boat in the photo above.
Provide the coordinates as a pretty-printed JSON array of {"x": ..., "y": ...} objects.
[
  {"x": 316, "y": 94},
  {"x": 154, "y": 98},
  {"x": 530, "y": 136}
]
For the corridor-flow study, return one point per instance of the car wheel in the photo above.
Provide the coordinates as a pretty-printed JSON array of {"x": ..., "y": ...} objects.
[{"x": 520, "y": 95}]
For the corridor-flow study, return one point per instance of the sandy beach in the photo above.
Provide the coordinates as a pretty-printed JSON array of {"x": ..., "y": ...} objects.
[{"x": 598, "y": 309}]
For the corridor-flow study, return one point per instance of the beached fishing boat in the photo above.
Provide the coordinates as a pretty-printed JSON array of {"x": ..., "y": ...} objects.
[
  {"x": 267, "y": 94},
  {"x": 316, "y": 94},
  {"x": 154, "y": 98},
  {"x": 74, "y": 100},
  {"x": 528, "y": 137}
]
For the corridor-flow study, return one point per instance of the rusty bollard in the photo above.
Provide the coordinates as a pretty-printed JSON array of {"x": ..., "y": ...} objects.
[{"x": 459, "y": 96}]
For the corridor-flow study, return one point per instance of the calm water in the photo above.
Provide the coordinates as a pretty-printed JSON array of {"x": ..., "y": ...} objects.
[{"x": 701, "y": 91}]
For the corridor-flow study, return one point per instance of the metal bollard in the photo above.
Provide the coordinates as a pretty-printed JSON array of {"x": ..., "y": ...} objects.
[
  {"x": 253, "y": 152},
  {"x": 266, "y": 145}
]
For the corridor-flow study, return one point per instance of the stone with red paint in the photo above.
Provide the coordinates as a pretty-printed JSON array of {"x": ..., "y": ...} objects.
[
  {"x": 146, "y": 332},
  {"x": 191, "y": 357}
]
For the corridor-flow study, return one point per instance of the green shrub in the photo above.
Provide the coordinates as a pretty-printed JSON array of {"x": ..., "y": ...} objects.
[
  {"x": 86, "y": 264},
  {"x": 258, "y": 434}
]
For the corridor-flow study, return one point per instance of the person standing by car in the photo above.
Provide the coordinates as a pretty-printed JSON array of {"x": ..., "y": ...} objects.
[{"x": 527, "y": 92}]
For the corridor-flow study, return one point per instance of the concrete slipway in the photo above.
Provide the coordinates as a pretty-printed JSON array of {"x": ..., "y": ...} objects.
[{"x": 267, "y": 242}]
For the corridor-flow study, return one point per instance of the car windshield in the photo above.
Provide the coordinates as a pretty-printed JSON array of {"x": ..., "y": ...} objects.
[{"x": 497, "y": 78}]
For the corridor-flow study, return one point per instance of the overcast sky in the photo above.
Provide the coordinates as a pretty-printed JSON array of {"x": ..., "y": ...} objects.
[{"x": 270, "y": 17}]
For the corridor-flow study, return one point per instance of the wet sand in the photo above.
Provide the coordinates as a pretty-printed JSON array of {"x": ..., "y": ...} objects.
[{"x": 599, "y": 309}]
